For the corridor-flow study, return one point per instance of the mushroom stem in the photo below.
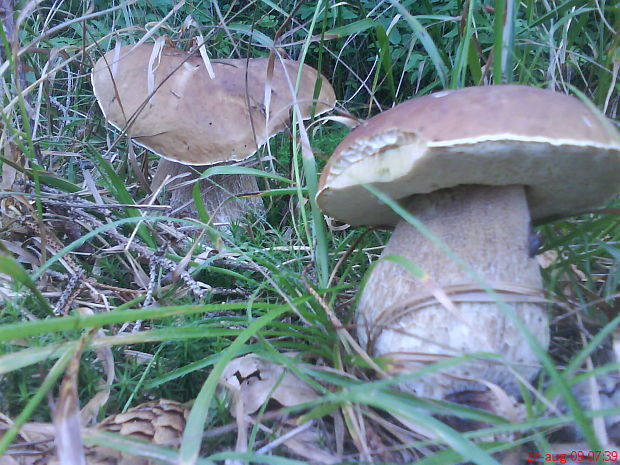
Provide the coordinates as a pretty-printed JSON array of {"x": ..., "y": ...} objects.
[
  {"x": 219, "y": 193},
  {"x": 398, "y": 317}
]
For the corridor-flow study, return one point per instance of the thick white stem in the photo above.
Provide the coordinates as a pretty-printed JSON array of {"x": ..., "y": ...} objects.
[
  {"x": 399, "y": 318},
  {"x": 219, "y": 193}
]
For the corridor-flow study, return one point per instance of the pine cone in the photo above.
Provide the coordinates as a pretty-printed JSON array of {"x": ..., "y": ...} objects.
[{"x": 160, "y": 422}]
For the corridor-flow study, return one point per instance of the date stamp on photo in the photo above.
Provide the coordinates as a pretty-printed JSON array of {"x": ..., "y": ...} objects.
[{"x": 576, "y": 456}]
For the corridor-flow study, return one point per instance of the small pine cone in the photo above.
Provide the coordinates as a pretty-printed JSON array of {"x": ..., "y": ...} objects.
[{"x": 160, "y": 422}]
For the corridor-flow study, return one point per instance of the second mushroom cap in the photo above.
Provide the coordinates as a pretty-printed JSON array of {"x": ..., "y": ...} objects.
[{"x": 171, "y": 106}]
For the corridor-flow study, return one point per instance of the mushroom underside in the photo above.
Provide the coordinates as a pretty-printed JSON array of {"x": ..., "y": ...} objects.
[{"x": 400, "y": 318}]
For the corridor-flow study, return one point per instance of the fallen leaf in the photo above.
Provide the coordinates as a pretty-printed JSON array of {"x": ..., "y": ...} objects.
[{"x": 257, "y": 380}]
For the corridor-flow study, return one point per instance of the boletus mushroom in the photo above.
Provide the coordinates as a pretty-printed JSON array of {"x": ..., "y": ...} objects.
[
  {"x": 169, "y": 104},
  {"x": 475, "y": 166}
]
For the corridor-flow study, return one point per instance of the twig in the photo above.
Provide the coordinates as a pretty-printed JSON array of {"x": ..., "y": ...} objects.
[
  {"x": 285, "y": 437},
  {"x": 71, "y": 291}
]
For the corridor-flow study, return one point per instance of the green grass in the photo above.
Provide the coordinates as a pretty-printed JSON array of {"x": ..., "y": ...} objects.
[{"x": 284, "y": 282}]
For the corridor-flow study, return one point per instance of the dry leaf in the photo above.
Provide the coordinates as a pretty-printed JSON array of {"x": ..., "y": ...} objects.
[
  {"x": 547, "y": 258},
  {"x": 11, "y": 153},
  {"x": 106, "y": 357},
  {"x": 68, "y": 431},
  {"x": 349, "y": 121},
  {"x": 253, "y": 381},
  {"x": 257, "y": 380},
  {"x": 26, "y": 443}
]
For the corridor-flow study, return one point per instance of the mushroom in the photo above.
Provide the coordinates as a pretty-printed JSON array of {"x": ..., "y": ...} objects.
[
  {"x": 169, "y": 104},
  {"x": 475, "y": 166}
]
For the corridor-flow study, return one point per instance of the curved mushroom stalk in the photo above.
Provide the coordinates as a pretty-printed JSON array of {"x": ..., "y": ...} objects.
[
  {"x": 220, "y": 193},
  {"x": 399, "y": 318}
]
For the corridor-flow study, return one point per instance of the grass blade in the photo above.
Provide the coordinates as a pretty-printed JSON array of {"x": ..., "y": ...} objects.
[
  {"x": 192, "y": 437},
  {"x": 427, "y": 42},
  {"x": 9, "y": 266}
]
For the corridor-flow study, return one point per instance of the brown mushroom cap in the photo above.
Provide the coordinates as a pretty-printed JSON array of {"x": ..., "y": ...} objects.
[
  {"x": 191, "y": 118},
  {"x": 566, "y": 154}
]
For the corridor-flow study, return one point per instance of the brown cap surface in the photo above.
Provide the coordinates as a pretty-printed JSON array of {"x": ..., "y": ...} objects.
[
  {"x": 191, "y": 118},
  {"x": 566, "y": 154}
]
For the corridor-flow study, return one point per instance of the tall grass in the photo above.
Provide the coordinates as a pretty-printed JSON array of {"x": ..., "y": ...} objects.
[{"x": 286, "y": 282}]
